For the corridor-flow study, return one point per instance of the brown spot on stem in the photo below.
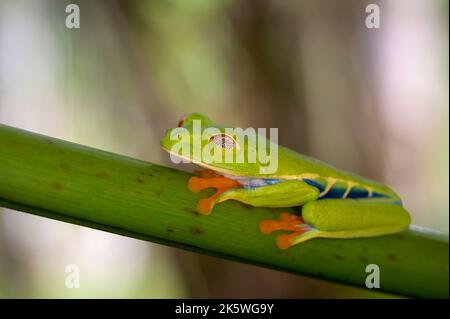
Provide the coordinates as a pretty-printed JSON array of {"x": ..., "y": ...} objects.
[
  {"x": 170, "y": 230},
  {"x": 191, "y": 211},
  {"x": 392, "y": 257},
  {"x": 160, "y": 191},
  {"x": 102, "y": 174},
  {"x": 196, "y": 231},
  {"x": 363, "y": 259},
  {"x": 58, "y": 186},
  {"x": 65, "y": 167},
  {"x": 139, "y": 180}
]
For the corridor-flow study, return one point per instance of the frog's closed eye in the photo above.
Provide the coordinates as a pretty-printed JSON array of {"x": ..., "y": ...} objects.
[{"x": 223, "y": 140}]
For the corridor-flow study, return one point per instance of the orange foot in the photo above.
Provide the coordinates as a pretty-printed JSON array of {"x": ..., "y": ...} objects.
[
  {"x": 287, "y": 221},
  {"x": 209, "y": 179}
]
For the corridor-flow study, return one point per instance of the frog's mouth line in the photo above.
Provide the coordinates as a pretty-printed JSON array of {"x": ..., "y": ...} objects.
[
  {"x": 190, "y": 160},
  {"x": 220, "y": 171}
]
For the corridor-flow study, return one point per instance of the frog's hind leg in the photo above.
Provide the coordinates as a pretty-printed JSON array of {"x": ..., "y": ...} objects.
[{"x": 340, "y": 218}]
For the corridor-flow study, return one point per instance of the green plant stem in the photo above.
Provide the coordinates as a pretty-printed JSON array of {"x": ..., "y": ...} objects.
[{"x": 81, "y": 185}]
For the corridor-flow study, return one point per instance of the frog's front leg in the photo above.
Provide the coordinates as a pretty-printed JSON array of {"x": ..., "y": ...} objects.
[
  {"x": 210, "y": 180},
  {"x": 339, "y": 218},
  {"x": 288, "y": 193}
]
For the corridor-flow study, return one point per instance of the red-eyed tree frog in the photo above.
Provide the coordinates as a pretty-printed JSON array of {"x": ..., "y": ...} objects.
[{"x": 334, "y": 203}]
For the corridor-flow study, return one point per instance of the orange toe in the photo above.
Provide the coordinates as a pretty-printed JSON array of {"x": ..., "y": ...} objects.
[
  {"x": 289, "y": 222},
  {"x": 197, "y": 184},
  {"x": 267, "y": 226},
  {"x": 204, "y": 206},
  {"x": 284, "y": 241},
  {"x": 286, "y": 222},
  {"x": 291, "y": 217}
]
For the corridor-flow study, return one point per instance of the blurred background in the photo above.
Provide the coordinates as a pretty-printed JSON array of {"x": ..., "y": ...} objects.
[{"x": 372, "y": 101}]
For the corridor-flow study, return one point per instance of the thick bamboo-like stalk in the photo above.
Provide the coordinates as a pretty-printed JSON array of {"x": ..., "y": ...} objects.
[{"x": 81, "y": 185}]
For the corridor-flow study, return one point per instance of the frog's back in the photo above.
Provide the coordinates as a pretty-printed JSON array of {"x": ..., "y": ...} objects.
[{"x": 293, "y": 165}]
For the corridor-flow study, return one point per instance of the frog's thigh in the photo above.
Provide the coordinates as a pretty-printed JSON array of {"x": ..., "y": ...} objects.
[
  {"x": 347, "y": 218},
  {"x": 289, "y": 193}
]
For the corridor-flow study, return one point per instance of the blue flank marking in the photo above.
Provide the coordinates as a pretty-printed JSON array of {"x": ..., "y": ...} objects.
[
  {"x": 378, "y": 195},
  {"x": 335, "y": 191},
  {"x": 314, "y": 184},
  {"x": 272, "y": 181},
  {"x": 357, "y": 192},
  {"x": 339, "y": 191},
  {"x": 265, "y": 182}
]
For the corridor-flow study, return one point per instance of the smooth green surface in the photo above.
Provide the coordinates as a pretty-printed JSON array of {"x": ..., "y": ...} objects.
[{"x": 77, "y": 184}]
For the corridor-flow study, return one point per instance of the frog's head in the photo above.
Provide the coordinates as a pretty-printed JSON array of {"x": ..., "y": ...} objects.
[{"x": 199, "y": 140}]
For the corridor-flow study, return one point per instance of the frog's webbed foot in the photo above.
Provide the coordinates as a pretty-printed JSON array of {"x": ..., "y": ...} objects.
[
  {"x": 290, "y": 222},
  {"x": 209, "y": 179}
]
